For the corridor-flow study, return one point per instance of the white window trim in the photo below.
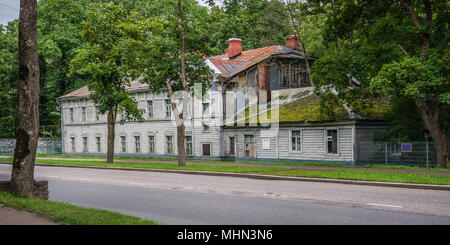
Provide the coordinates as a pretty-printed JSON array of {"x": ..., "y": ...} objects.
[
  {"x": 120, "y": 143},
  {"x": 165, "y": 144},
  {"x": 326, "y": 142},
  {"x": 134, "y": 143},
  {"x": 301, "y": 140},
  {"x": 154, "y": 143},
  {"x": 153, "y": 109}
]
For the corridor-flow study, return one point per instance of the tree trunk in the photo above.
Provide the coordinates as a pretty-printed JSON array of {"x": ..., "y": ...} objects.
[
  {"x": 28, "y": 90},
  {"x": 180, "y": 126},
  {"x": 432, "y": 122},
  {"x": 111, "y": 121},
  {"x": 180, "y": 144}
]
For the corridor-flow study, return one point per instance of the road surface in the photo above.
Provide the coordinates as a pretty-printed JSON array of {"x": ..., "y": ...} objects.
[{"x": 171, "y": 198}]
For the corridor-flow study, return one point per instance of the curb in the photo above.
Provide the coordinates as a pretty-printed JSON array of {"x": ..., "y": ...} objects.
[{"x": 261, "y": 177}]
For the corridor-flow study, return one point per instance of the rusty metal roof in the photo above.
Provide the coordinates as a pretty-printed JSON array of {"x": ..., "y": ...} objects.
[{"x": 231, "y": 67}]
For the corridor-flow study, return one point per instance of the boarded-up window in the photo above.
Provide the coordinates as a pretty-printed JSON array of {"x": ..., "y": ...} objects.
[
  {"x": 242, "y": 78},
  {"x": 123, "y": 143},
  {"x": 72, "y": 143},
  {"x": 206, "y": 149},
  {"x": 85, "y": 144},
  {"x": 231, "y": 150},
  {"x": 249, "y": 146},
  {"x": 332, "y": 141},
  {"x": 188, "y": 145}
]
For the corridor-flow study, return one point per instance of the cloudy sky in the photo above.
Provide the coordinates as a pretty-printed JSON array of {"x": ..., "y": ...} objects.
[{"x": 9, "y": 10}]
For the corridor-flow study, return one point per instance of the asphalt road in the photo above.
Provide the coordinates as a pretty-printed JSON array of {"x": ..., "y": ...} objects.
[{"x": 171, "y": 198}]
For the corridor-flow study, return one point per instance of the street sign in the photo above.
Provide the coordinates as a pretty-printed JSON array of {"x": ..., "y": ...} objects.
[{"x": 406, "y": 147}]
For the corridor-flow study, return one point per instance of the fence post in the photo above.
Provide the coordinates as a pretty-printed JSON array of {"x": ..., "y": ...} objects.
[{"x": 385, "y": 153}]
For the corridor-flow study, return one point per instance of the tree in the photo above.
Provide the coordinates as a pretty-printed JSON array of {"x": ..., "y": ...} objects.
[
  {"x": 108, "y": 60},
  {"x": 169, "y": 64},
  {"x": 59, "y": 32},
  {"x": 28, "y": 88},
  {"x": 8, "y": 79},
  {"x": 397, "y": 49}
]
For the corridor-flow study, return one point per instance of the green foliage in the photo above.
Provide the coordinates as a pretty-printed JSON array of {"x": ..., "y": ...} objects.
[
  {"x": 8, "y": 80},
  {"x": 107, "y": 59}
]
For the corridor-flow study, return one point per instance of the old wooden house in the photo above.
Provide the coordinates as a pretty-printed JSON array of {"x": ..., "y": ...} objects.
[{"x": 260, "y": 106}]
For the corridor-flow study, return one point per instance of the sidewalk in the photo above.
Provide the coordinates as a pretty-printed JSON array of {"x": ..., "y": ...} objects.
[
  {"x": 10, "y": 216},
  {"x": 307, "y": 167}
]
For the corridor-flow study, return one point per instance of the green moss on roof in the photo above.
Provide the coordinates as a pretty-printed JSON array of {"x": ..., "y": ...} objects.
[{"x": 313, "y": 108}]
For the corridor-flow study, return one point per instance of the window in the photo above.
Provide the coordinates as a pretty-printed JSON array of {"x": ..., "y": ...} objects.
[
  {"x": 206, "y": 149},
  {"x": 231, "y": 150},
  {"x": 296, "y": 140},
  {"x": 151, "y": 144},
  {"x": 168, "y": 108},
  {"x": 123, "y": 143},
  {"x": 83, "y": 114},
  {"x": 249, "y": 145},
  {"x": 72, "y": 143},
  {"x": 98, "y": 144},
  {"x": 85, "y": 144},
  {"x": 150, "y": 108},
  {"x": 169, "y": 144},
  {"x": 137, "y": 143},
  {"x": 205, "y": 127},
  {"x": 332, "y": 141},
  {"x": 205, "y": 107},
  {"x": 71, "y": 114},
  {"x": 97, "y": 113},
  {"x": 188, "y": 141}
]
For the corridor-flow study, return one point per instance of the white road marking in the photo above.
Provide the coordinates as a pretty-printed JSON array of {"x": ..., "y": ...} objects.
[
  {"x": 52, "y": 176},
  {"x": 132, "y": 183},
  {"x": 384, "y": 205},
  {"x": 85, "y": 179}
]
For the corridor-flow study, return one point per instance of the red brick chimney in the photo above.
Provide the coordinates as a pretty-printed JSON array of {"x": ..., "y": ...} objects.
[
  {"x": 234, "y": 47},
  {"x": 292, "y": 42}
]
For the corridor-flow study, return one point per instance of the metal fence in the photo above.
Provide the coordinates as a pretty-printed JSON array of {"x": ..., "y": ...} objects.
[
  {"x": 51, "y": 146},
  {"x": 422, "y": 153}
]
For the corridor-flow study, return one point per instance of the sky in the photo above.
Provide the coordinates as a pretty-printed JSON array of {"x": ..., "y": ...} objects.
[{"x": 9, "y": 10}]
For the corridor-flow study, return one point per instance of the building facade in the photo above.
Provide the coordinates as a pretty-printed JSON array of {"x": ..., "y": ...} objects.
[{"x": 220, "y": 125}]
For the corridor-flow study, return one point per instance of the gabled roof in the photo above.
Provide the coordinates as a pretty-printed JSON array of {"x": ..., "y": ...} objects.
[
  {"x": 229, "y": 68},
  {"x": 84, "y": 92}
]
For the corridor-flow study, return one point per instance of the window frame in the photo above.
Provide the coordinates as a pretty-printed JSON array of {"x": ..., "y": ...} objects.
[
  {"x": 167, "y": 108},
  {"x": 150, "y": 107},
  {"x": 83, "y": 114},
  {"x": 167, "y": 144},
  {"x": 122, "y": 143},
  {"x": 137, "y": 144},
  {"x": 301, "y": 140},
  {"x": 154, "y": 143},
  {"x": 326, "y": 141}
]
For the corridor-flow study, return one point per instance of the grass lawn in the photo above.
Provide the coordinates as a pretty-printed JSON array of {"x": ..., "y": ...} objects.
[
  {"x": 67, "y": 214},
  {"x": 245, "y": 162},
  {"x": 277, "y": 171}
]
